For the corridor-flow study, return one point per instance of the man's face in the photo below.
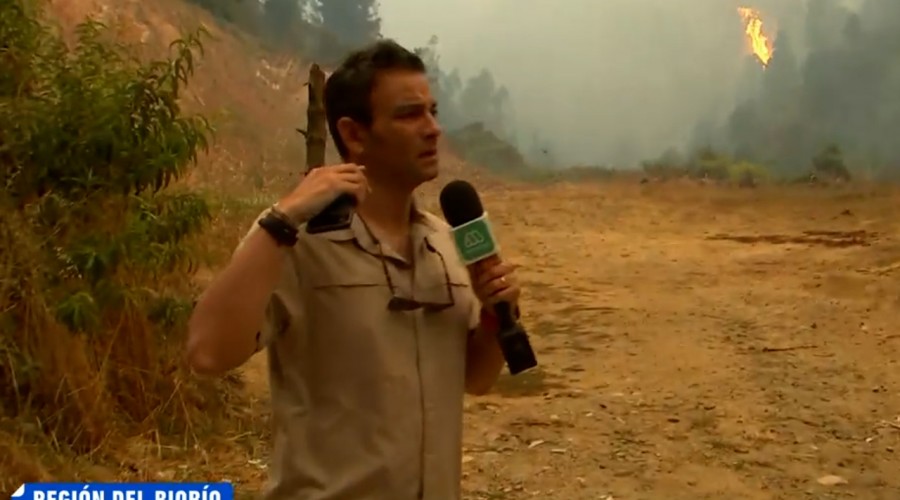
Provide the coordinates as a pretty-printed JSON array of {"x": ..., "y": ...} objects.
[{"x": 402, "y": 142}]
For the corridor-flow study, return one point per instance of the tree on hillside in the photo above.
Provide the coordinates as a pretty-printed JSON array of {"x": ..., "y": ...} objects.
[
  {"x": 431, "y": 58},
  {"x": 282, "y": 18},
  {"x": 829, "y": 164},
  {"x": 483, "y": 100},
  {"x": 477, "y": 97},
  {"x": 245, "y": 14},
  {"x": 781, "y": 81},
  {"x": 824, "y": 18},
  {"x": 450, "y": 87},
  {"x": 285, "y": 25},
  {"x": 883, "y": 17},
  {"x": 95, "y": 239},
  {"x": 355, "y": 23},
  {"x": 477, "y": 115},
  {"x": 445, "y": 87}
]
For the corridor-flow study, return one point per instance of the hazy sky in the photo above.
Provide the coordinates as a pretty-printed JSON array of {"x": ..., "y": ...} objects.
[{"x": 597, "y": 78}]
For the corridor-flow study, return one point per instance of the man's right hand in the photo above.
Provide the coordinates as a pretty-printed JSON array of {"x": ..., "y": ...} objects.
[{"x": 320, "y": 187}]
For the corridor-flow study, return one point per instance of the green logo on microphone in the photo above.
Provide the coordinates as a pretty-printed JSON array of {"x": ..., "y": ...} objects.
[{"x": 474, "y": 240}]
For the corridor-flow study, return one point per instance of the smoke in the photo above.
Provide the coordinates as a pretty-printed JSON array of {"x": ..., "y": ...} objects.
[
  {"x": 615, "y": 82},
  {"x": 832, "y": 83}
]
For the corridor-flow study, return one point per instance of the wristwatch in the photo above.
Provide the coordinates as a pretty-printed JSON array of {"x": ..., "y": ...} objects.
[{"x": 280, "y": 227}]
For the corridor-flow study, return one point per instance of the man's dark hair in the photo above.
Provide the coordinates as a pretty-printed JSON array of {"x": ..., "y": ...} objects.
[{"x": 348, "y": 91}]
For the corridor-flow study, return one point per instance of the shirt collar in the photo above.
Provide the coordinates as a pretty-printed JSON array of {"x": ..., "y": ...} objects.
[{"x": 423, "y": 225}]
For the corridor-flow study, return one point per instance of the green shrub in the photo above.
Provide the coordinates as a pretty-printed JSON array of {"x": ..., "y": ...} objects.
[
  {"x": 829, "y": 164},
  {"x": 748, "y": 174},
  {"x": 95, "y": 239}
]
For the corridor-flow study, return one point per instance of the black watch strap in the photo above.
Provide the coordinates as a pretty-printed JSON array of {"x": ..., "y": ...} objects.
[{"x": 279, "y": 228}]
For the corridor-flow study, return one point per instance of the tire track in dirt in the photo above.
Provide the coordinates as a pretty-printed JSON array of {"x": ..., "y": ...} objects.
[
  {"x": 632, "y": 402},
  {"x": 810, "y": 359}
]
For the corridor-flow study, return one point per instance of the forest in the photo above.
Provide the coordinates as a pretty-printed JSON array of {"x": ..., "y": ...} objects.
[{"x": 832, "y": 89}]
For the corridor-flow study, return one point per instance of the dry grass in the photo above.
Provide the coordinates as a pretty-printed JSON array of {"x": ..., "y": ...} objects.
[
  {"x": 117, "y": 401},
  {"x": 114, "y": 402}
]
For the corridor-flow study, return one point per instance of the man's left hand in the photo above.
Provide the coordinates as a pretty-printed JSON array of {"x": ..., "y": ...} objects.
[{"x": 495, "y": 281}]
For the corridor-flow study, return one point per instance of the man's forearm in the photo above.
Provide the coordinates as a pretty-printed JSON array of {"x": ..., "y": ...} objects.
[
  {"x": 484, "y": 358},
  {"x": 222, "y": 329}
]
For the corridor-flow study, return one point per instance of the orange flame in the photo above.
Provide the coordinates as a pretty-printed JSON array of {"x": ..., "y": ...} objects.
[{"x": 760, "y": 44}]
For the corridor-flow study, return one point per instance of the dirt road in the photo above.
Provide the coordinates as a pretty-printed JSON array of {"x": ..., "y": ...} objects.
[{"x": 695, "y": 342}]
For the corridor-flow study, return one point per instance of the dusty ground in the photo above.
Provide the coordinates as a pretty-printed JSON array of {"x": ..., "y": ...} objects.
[{"x": 695, "y": 342}]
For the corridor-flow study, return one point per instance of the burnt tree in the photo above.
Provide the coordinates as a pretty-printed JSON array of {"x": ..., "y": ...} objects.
[{"x": 316, "y": 132}]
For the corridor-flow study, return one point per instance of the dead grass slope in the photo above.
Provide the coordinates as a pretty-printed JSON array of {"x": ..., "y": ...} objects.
[
  {"x": 122, "y": 414},
  {"x": 255, "y": 98}
]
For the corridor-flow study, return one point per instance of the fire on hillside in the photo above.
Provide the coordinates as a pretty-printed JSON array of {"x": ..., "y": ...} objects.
[{"x": 760, "y": 43}]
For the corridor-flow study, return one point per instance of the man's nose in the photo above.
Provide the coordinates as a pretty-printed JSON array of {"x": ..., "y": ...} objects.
[{"x": 433, "y": 126}]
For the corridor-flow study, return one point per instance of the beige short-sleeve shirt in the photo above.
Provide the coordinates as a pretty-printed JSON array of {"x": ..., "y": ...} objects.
[{"x": 368, "y": 402}]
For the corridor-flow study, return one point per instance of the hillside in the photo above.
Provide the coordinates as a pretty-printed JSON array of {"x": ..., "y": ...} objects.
[{"x": 255, "y": 98}]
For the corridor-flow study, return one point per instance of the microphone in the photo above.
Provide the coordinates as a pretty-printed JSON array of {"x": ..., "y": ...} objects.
[{"x": 475, "y": 242}]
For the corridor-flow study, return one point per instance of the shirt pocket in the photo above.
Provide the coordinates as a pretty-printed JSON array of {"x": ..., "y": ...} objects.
[
  {"x": 466, "y": 305},
  {"x": 347, "y": 315}
]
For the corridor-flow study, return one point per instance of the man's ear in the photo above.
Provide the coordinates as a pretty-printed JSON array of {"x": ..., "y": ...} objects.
[{"x": 353, "y": 134}]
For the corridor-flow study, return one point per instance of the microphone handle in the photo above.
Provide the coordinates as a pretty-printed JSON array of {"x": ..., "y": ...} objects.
[
  {"x": 505, "y": 316},
  {"x": 513, "y": 340}
]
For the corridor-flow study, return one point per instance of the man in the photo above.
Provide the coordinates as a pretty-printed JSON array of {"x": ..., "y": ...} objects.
[{"x": 375, "y": 332}]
